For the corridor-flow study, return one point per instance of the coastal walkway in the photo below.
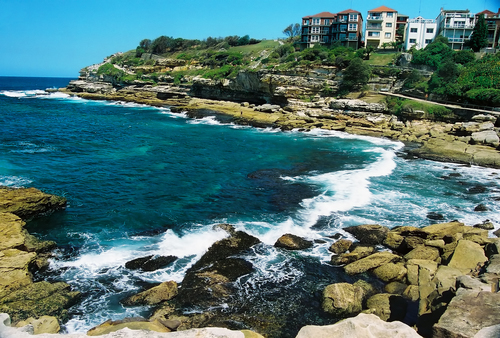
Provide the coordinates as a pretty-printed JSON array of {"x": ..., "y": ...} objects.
[{"x": 447, "y": 105}]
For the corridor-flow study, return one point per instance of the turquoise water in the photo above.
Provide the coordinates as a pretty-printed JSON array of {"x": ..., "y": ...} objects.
[{"x": 142, "y": 180}]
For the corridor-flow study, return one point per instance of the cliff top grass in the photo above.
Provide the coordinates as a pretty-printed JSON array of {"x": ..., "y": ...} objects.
[{"x": 381, "y": 59}]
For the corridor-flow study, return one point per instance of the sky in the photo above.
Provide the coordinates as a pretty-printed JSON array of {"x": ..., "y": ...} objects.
[{"x": 56, "y": 38}]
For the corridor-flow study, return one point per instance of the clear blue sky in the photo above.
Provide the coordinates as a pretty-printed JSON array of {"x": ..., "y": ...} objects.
[{"x": 59, "y": 37}]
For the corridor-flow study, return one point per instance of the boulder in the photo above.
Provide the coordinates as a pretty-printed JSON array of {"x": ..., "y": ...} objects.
[
  {"x": 423, "y": 252},
  {"x": 467, "y": 256},
  {"x": 388, "y": 307},
  {"x": 395, "y": 288},
  {"x": 485, "y": 225},
  {"x": 150, "y": 263},
  {"x": 163, "y": 292},
  {"x": 440, "y": 230},
  {"x": 391, "y": 272},
  {"x": 44, "y": 324},
  {"x": 488, "y": 137},
  {"x": 467, "y": 313},
  {"x": 292, "y": 242},
  {"x": 363, "y": 325},
  {"x": 359, "y": 251},
  {"x": 11, "y": 231},
  {"x": 340, "y": 246},
  {"x": 29, "y": 202},
  {"x": 446, "y": 278},
  {"x": 342, "y": 299},
  {"x": 371, "y": 234},
  {"x": 371, "y": 262}
]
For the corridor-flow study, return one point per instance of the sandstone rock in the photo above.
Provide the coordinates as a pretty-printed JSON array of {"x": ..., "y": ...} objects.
[
  {"x": 342, "y": 299},
  {"x": 486, "y": 137},
  {"x": 29, "y": 202},
  {"x": 44, "y": 324},
  {"x": 363, "y": 325},
  {"x": 371, "y": 262},
  {"x": 150, "y": 263},
  {"x": 467, "y": 313},
  {"x": 440, "y": 230},
  {"x": 292, "y": 242},
  {"x": 446, "y": 278},
  {"x": 467, "y": 256},
  {"x": 411, "y": 293},
  {"x": 391, "y": 272},
  {"x": 471, "y": 283},
  {"x": 39, "y": 299},
  {"x": 131, "y": 323},
  {"x": 164, "y": 291},
  {"x": 395, "y": 288},
  {"x": 485, "y": 225},
  {"x": 371, "y": 234},
  {"x": 11, "y": 231},
  {"x": 488, "y": 332},
  {"x": 340, "y": 246},
  {"x": 387, "y": 306},
  {"x": 423, "y": 252}
]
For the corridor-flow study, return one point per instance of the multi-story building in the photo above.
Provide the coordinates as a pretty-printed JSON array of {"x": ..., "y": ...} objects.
[
  {"x": 381, "y": 26},
  {"x": 326, "y": 28},
  {"x": 456, "y": 25},
  {"x": 420, "y": 32},
  {"x": 493, "y": 24},
  {"x": 401, "y": 24}
]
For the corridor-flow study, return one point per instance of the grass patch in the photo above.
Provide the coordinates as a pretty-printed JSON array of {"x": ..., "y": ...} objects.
[
  {"x": 380, "y": 59},
  {"x": 256, "y": 48}
]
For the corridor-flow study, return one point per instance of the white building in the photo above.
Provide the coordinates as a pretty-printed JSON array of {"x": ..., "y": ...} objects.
[
  {"x": 456, "y": 25},
  {"x": 420, "y": 32},
  {"x": 380, "y": 26}
]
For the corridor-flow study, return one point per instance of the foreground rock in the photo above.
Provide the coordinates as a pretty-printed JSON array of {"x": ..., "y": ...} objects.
[
  {"x": 22, "y": 254},
  {"x": 363, "y": 325},
  {"x": 141, "y": 330}
]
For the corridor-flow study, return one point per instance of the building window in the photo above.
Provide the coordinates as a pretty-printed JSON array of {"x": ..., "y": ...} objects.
[
  {"x": 315, "y": 21},
  {"x": 343, "y": 18},
  {"x": 325, "y": 38},
  {"x": 352, "y": 36},
  {"x": 315, "y": 30},
  {"x": 342, "y": 36},
  {"x": 306, "y": 22},
  {"x": 353, "y": 26},
  {"x": 305, "y": 31},
  {"x": 314, "y": 38},
  {"x": 353, "y": 17},
  {"x": 430, "y": 30},
  {"x": 389, "y": 14},
  {"x": 413, "y": 30},
  {"x": 427, "y": 41},
  {"x": 343, "y": 28},
  {"x": 387, "y": 35},
  {"x": 326, "y": 21},
  {"x": 388, "y": 24},
  {"x": 413, "y": 40},
  {"x": 325, "y": 30},
  {"x": 374, "y": 34}
]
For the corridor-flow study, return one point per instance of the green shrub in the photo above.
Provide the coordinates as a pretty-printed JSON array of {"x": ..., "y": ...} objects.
[
  {"x": 109, "y": 69},
  {"x": 490, "y": 96}
]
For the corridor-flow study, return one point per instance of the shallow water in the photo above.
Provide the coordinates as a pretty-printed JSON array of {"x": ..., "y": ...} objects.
[{"x": 142, "y": 180}]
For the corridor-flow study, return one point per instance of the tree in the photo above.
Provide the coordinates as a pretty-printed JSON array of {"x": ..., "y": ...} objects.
[
  {"x": 160, "y": 44},
  {"x": 145, "y": 44},
  {"x": 356, "y": 75},
  {"x": 479, "y": 37},
  {"x": 292, "y": 31}
]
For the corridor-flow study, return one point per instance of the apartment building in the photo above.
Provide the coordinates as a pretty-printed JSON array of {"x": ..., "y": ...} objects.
[
  {"x": 493, "y": 24},
  {"x": 401, "y": 24},
  {"x": 326, "y": 28},
  {"x": 456, "y": 25},
  {"x": 381, "y": 26},
  {"x": 420, "y": 32}
]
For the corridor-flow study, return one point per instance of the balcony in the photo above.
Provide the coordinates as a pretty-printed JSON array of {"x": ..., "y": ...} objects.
[
  {"x": 459, "y": 40},
  {"x": 459, "y": 26},
  {"x": 375, "y": 18},
  {"x": 374, "y": 27},
  {"x": 491, "y": 26}
]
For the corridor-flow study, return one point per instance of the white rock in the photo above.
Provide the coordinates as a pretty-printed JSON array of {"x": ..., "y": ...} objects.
[{"x": 363, "y": 325}]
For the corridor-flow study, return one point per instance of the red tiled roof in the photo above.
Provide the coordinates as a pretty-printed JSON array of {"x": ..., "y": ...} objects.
[
  {"x": 349, "y": 11},
  {"x": 487, "y": 13},
  {"x": 321, "y": 15},
  {"x": 382, "y": 9}
]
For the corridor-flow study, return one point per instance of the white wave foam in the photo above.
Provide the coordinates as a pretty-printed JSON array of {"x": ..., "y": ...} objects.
[
  {"x": 210, "y": 120},
  {"x": 14, "y": 181}
]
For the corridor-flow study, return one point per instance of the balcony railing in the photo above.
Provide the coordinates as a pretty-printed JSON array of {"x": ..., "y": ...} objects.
[
  {"x": 459, "y": 40},
  {"x": 492, "y": 26},
  {"x": 374, "y": 27},
  {"x": 375, "y": 17},
  {"x": 459, "y": 26}
]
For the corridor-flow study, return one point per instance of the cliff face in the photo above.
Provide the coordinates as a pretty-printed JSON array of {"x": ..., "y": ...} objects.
[{"x": 257, "y": 87}]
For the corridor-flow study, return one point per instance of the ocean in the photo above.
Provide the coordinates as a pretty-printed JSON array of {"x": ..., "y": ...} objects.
[{"x": 142, "y": 180}]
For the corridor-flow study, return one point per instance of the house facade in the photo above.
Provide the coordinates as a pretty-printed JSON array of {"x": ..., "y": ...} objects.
[
  {"x": 456, "y": 25},
  {"x": 381, "y": 26},
  {"x": 493, "y": 25},
  {"x": 420, "y": 32},
  {"x": 326, "y": 28},
  {"x": 401, "y": 24}
]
